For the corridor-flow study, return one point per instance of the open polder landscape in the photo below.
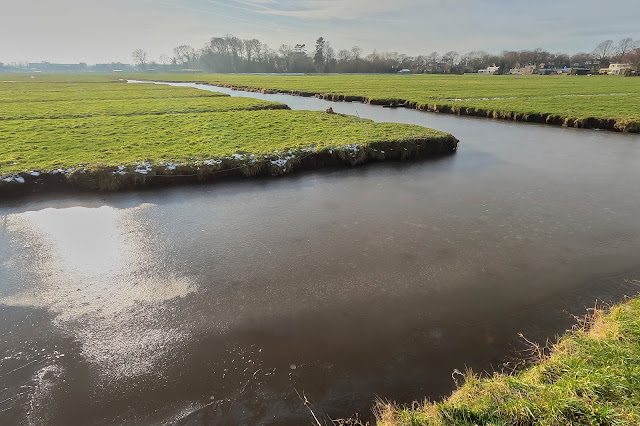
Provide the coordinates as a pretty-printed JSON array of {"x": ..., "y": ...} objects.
[
  {"x": 361, "y": 289},
  {"x": 575, "y": 101},
  {"x": 107, "y": 134}
]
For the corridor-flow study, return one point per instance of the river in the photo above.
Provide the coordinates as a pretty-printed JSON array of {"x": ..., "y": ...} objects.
[{"x": 218, "y": 303}]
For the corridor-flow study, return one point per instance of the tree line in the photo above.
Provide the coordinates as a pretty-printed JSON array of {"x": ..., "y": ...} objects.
[{"x": 230, "y": 54}]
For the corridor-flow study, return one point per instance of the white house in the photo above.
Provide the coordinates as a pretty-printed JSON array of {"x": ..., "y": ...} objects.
[{"x": 490, "y": 70}]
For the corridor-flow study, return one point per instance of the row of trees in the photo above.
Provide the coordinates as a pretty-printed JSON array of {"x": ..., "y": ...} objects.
[{"x": 232, "y": 54}]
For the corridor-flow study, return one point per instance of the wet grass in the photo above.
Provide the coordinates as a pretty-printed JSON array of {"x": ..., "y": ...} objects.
[
  {"x": 591, "y": 377},
  {"x": 569, "y": 99}
]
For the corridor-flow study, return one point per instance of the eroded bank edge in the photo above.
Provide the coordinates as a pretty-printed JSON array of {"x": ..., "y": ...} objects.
[{"x": 114, "y": 178}]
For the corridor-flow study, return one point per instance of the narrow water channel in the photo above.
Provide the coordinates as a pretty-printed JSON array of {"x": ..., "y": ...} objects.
[{"x": 214, "y": 304}]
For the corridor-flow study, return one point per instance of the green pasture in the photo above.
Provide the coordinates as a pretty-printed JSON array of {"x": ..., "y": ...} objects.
[
  {"x": 51, "y": 125},
  {"x": 45, "y": 145},
  {"x": 49, "y": 92},
  {"x": 136, "y": 106},
  {"x": 572, "y": 97}
]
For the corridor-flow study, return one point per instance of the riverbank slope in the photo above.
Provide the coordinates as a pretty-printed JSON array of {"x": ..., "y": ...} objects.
[{"x": 591, "y": 376}]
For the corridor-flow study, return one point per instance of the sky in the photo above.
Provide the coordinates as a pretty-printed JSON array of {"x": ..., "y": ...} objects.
[{"x": 100, "y": 31}]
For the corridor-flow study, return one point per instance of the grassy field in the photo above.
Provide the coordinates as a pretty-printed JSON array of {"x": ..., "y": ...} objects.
[
  {"x": 58, "y": 78},
  {"x": 45, "y": 145},
  {"x": 591, "y": 377},
  {"x": 581, "y": 101},
  {"x": 146, "y": 106},
  {"x": 95, "y": 126},
  {"x": 55, "y": 92}
]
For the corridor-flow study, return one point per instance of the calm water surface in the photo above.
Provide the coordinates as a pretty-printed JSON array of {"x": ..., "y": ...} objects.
[{"x": 213, "y": 304}]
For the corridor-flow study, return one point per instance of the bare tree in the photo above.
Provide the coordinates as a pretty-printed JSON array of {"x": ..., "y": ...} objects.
[
  {"x": 633, "y": 57},
  {"x": 344, "y": 55},
  {"x": 625, "y": 46},
  {"x": 140, "y": 58},
  {"x": 164, "y": 59},
  {"x": 252, "y": 48},
  {"x": 603, "y": 50},
  {"x": 579, "y": 58},
  {"x": 184, "y": 55},
  {"x": 432, "y": 61},
  {"x": 450, "y": 58},
  {"x": 286, "y": 53},
  {"x": 219, "y": 46},
  {"x": 356, "y": 51},
  {"x": 236, "y": 49},
  {"x": 221, "y": 56}
]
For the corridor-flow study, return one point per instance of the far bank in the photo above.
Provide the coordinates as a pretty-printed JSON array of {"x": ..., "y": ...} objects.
[{"x": 590, "y": 102}]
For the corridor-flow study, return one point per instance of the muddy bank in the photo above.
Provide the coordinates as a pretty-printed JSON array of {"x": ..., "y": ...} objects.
[
  {"x": 106, "y": 179},
  {"x": 623, "y": 125}
]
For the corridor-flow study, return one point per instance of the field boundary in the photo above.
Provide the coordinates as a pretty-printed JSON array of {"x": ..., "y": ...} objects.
[{"x": 611, "y": 124}]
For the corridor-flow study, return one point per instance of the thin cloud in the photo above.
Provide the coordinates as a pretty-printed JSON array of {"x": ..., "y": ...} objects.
[
  {"x": 332, "y": 9},
  {"x": 193, "y": 9}
]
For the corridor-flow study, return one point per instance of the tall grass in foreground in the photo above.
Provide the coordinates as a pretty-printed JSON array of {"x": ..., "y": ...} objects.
[{"x": 591, "y": 377}]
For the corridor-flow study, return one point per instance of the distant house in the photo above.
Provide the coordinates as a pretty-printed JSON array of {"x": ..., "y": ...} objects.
[
  {"x": 617, "y": 69},
  {"x": 549, "y": 69},
  {"x": 489, "y": 70},
  {"x": 53, "y": 67},
  {"x": 576, "y": 70},
  {"x": 523, "y": 70}
]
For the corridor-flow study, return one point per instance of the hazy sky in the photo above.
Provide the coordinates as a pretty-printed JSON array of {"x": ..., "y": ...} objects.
[{"x": 95, "y": 31}]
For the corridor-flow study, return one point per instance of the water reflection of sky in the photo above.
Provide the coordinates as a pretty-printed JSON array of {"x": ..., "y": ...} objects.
[
  {"x": 93, "y": 271},
  {"x": 83, "y": 242}
]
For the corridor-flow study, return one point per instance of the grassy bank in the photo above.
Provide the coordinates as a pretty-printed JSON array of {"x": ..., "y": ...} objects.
[
  {"x": 109, "y": 135},
  {"x": 607, "y": 102},
  {"x": 591, "y": 377}
]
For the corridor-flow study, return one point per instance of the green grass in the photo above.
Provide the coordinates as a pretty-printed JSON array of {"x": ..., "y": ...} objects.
[
  {"x": 45, "y": 145},
  {"x": 524, "y": 95},
  {"x": 59, "y": 78},
  {"x": 50, "y": 125},
  {"x": 592, "y": 377},
  {"x": 146, "y": 106},
  {"x": 55, "y": 92}
]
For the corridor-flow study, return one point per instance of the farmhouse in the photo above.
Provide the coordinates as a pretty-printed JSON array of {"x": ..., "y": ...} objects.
[
  {"x": 523, "y": 70},
  {"x": 489, "y": 70},
  {"x": 617, "y": 69}
]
